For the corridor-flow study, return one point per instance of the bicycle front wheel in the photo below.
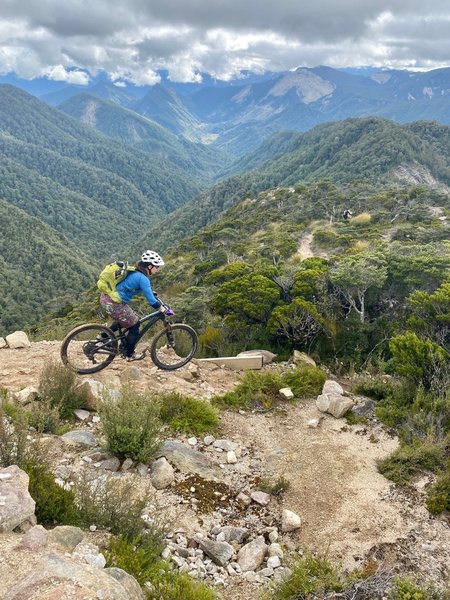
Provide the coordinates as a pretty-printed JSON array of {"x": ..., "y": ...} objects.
[
  {"x": 89, "y": 348},
  {"x": 174, "y": 346}
]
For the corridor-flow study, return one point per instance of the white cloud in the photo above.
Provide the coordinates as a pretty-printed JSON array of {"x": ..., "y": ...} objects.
[
  {"x": 135, "y": 38},
  {"x": 59, "y": 73}
]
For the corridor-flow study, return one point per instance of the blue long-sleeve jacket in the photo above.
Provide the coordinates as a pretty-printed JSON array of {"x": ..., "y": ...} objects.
[{"x": 136, "y": 283}]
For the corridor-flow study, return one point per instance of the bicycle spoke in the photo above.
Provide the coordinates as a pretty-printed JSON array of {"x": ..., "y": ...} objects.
[
  {"x": 174, "y": 347},
  {"x": 89, "y": 348}
]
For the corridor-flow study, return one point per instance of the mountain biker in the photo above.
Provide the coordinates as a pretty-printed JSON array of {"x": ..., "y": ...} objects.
[{"x": 123, "y": 315}]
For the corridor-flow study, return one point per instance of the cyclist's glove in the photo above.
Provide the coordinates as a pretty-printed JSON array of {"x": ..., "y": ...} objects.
[{"x": 166, "y": 310}]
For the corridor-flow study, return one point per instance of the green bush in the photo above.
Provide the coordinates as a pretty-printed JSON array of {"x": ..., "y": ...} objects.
[
  {"x": 57, "y": 387},
  {"x": 305, "y": 382},
  {"x": 407, "y": 460},
  {"x": 131, "y": 424},
  {"x": 13, "y": 436},
  {"x": 172, "y": 585},
  {"x": 262, "y": 388},
  {"x": 54, "y": 504},
  {"x": 44, "y": 417},
  {"x": 255, "y": 389},
  {"x": 188, "y": 415},
  {"x": 403, "y": 589},
  {"x": 439, "y": 494},
  {"x": 377, "y": 388},
  {"x": 140, "y": 556},
  {"x": 116, "y": 504},
  {"x": 311, "y": 577}
]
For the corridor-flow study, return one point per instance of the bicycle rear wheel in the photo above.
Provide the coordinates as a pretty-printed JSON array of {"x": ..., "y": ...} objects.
[
  {"x": 89, "y": 348},
  {"x": 174, "y": 346}
]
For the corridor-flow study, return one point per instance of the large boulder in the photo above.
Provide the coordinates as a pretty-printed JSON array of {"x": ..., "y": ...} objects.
[
  {"x": 59, "y": 577},
  {"x": 251, "y": 556},
  {"x": 92, "y": 392},
  {"x": 332, "y": 399},
  {"x": 18, "y": 339},
  {"x": 17, "y": 506},
  {"x": 188, "y": 460},
  {"x": 300, "y": 358}
]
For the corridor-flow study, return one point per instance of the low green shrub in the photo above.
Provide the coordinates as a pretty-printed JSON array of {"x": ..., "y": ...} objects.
[
  {"x": 131, "y": 424},
  {"x": 377, "y": 388},
  {"x": 403, "y": 589},
  {"x": 188, "y": 415},
  {"x": 254, "y": 389},
  {"x": 13, "y": 436},
  {"x": 141, "y": 557},
  {"x": 439, "y": 495},
  {"x": 274, "y": 487},
  {"x": 172, "y": 585},
  {"x": 261, "y": 389},
  {"x": 44, "y": 417},
  {"x": 55, "y": 505},
  {"x": 115, "y": 504},
  {"x": 312, "y": 576},
  {"x": 305, "y": 382},
  {"x": 407, "y": 460},
  {"x": 57, "y": 387}
]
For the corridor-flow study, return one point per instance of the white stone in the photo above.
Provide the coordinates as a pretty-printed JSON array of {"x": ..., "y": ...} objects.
[
  {"x": 192, "y": 441},
  {"x": 27, "y": 395},
  {"x": 3, "y": 343},
  {"x": 313, "y": 423},
  {"x": 261, "y": 498},
  {"x": 332, "y": 387},
  {"x": 275, "y": 550},
  {"x": 273, "y": 562},
  {"x": 18, "y": 339},
  {"x": 290, "y": 521},
  {"x": 208, "y": 440},
  {"x": 231, "y": 457},
  {"x": 273, "y": 536},
  {"x": 286, "y": 393}
]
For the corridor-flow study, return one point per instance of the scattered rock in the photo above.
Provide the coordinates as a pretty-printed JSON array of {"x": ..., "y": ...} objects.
[
  {"x": 261, "y": 498},
  {"x": 289, "y": 521},
  {"x": 251, "y": 556},
  {"x": 81, "y": 415},
  {"x": 332, "y": 387},
  {"x": 188, "y": 460},
  {"x": 161, "y": 473},
  {"x": 220, "y": 552},
  {"x": 286, "y": 393},
  {"x": 27, "y": 395},
  {"x": 80, "y": 437}
]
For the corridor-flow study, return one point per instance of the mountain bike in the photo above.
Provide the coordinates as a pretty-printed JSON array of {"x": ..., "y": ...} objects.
[{"x": 92, "y": 347}]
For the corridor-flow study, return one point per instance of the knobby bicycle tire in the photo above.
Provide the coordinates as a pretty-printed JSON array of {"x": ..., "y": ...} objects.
[
  {"x": 82, "y": 348},
  {"x": 174, "y": 346}
]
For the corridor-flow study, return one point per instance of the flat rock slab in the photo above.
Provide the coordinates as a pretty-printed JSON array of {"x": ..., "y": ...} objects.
[
  {"x": 237, "y": 363},
  {"x": 188, "y": 460}
]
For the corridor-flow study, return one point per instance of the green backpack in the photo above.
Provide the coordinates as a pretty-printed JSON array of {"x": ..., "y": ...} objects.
[{"x": 111, "y": 275}]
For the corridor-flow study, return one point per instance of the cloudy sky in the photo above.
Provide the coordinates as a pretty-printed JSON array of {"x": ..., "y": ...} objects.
[{"x": 131, "y": 39}]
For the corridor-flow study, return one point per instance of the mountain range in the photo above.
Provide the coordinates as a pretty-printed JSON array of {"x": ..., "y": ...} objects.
[
  {"x": 110, "y": 172},
  {"x": 237, "y": 116}
]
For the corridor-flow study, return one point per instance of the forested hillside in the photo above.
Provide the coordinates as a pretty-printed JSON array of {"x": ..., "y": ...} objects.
[
  {"x": 142, "y": 133},
  {"x": 371, "y": 149},
  {"x": 89, "y": 193},
  {"x": 36, "y": 265}
]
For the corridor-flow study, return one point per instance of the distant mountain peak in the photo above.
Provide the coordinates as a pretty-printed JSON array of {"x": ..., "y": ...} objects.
[{"x": 308, "y": 86}]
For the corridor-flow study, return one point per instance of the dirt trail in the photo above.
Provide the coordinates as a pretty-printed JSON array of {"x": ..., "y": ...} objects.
[{"x": 347, "y": 508}]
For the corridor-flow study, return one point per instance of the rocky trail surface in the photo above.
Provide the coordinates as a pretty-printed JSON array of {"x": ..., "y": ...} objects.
[{"x": 348, "y": 511}]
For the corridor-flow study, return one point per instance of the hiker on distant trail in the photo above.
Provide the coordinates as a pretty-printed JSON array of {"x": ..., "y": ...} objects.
[
  {"x": 347, "y": 214},
  {"x": 136, "y": 282}
]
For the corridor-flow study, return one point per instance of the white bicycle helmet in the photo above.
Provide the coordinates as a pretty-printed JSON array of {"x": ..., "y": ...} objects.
[{"x": 153, "y": 258}]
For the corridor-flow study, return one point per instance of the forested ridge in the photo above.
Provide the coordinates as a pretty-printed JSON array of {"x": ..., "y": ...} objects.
[
  {"x": 142, "y": 133},
  {"x": 368, "y": 149}
]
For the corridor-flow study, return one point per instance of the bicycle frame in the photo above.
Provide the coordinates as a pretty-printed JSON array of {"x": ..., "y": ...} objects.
[{"x": 151, "y": 318}]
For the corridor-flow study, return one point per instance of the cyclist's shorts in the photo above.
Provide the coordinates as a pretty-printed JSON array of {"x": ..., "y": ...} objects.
[{"x": 122, "y": 313}]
